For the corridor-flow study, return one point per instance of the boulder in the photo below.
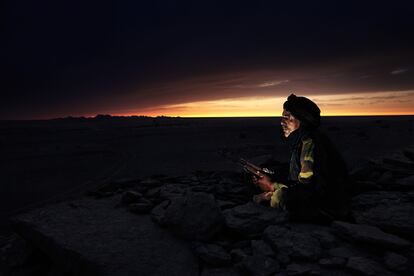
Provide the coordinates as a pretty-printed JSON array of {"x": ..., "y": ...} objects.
[
  {"x": 259, "y": 265},
  {"x": 259, "y": 247},
  {"x": 409, "y": 153},
  {"x": 195, "y": 216},
  {"x": 400, "y": 161},
  {"x": 110, "y": 188},
  {"x": 302, "y": 269},
  {"x": 203, "y": 189},
  {"x": 386, "y": 179},
  {"x": 212, "y": 254},
  {"x": 365, "y": 266},
  {"x": 129, "y": 197},
  {"x": 97, "y": 239},
  {"x": 370, "y": 234},
  {"x": 219, "y": 271},
  {"x": 15, "y": 252},
  {"x": 143, "y": 206},
  {"x": 333, "y": 262},
  {"x": 390, "y": 211},
  {"x": 295, "y": 243},
  {"x": 366, "y": 185},
  {"x": 345, "y": 252},
  {"x": 226, "y": 204},
  {"x": 405, "y": 184},
  {"x": 171, "y": 191},
  {"x": 395, "y": 262},
  {"x": 151, "y": 182},
  {"x": 251, "y": 219},
  {"x": 153, "y": 192},
  {"x": 237, "y": 255},
  {"x": 158, "y": 213},
  {"x": 325, "y": 237}
]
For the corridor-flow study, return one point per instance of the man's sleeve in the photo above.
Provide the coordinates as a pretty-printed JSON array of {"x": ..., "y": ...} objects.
[
  {"x": 306, "y": 161},
  {"x": 279, "y": 196}
]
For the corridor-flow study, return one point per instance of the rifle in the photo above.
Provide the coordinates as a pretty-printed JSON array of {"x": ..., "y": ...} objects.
[{"x": 253, "y": 169}]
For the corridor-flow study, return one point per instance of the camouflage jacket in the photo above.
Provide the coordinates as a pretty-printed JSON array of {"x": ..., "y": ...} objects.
[
  {"x": 301, "y": 159},
  {"x": 317, "y": 173}
]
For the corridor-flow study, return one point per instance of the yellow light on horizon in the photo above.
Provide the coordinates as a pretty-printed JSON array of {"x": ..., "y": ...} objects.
[{"x": 355, "y": 104}]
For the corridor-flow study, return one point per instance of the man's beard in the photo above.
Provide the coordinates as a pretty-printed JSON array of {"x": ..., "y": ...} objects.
[{"x": 282, "y": 134}]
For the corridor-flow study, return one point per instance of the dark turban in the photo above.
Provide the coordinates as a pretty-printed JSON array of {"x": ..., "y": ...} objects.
[{"x": 305, "y": 110}]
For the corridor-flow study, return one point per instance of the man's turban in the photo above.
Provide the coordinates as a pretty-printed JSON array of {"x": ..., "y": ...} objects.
[{"x": 303, "y": 109}]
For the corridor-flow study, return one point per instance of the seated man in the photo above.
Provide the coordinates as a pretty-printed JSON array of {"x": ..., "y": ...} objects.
[{"x": 317, "y": 175}]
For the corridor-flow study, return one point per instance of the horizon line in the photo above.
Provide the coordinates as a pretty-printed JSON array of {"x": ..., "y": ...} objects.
[{"x": 200, "y": 117}]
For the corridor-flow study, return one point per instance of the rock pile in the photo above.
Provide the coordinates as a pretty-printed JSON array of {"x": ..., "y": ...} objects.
[{"x": 228, "y": 234}]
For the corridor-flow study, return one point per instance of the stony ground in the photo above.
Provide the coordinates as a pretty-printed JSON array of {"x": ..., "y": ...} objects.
[{"x": 205, "y": 224}]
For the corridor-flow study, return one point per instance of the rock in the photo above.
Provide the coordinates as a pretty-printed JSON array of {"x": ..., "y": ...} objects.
[
  {"x": 232, "y": 186},
  {"x": 242, "y": 244},
  {"x": 326, "y": 239},
  {"x": 390, "y": 211},
  {"x": 302, "y": 269},
  {"x": 141, "y": 207},
  {"x": 125, "y": 182},
  {"x": 334, "y": 262},
  {"x": 343, "y": 252},
  {"x": 213, "y": 254},
  {"x": 363, "y": 172},
  {"x": 283, "y": 258},
  {"x": 237, "y": 255},
  {"x": 195, "y": 216},
  {"x": 154, "y": 192},
  {"x": 259, "y": 247},
  {"x": 158, "y": 213},
  {"x": 219, "y": 271},
  {"x": 203, "y": 189},
  {"x": 405, "y": 184},
  {"x": 223, "y": 242},
  {"x": 296, "y": 244},
  {"x": 226, "y": 204},
  {"x": 130, "y": 197},
  {"x": 96, "y": 239},
  {"x": 398, "y": 170},
  {"x": 370, "y": 235},
  {"x": 259, "y": 265},
  {"x": 400, "y": 161},
  {"x": 15, "y": 252},
  {"x": 331, "y": 272},
  {"x": 395, "y": 262},
  {"x": 109, "y": 189},
  {"x": 409, "y": 153},
  {"x": 171, "y": 191},
  {"x": 4, "y": 240},
  {"x": 366, "y": 185},
  {"x": 150, "y": 182},
  {"x": 251, "y": 219},
  {"x": 386, "y": 179},
  {"x": 365, "y": 266}
]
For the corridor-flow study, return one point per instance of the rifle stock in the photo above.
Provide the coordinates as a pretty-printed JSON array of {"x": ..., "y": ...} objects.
[{"x": 253, "y": 169}]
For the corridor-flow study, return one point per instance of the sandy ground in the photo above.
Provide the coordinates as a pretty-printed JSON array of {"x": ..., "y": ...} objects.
[{"x": 43, "y": 161}]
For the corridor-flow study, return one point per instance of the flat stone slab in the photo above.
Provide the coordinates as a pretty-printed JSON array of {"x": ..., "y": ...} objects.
[
  {"x": 370, "y": 234},
  {"x": 93, "y": 237},
  {"x": 390, "y": 211}
]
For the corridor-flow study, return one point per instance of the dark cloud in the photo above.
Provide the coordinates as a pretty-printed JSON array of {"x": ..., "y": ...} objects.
[{"x": 69, "y": 57}]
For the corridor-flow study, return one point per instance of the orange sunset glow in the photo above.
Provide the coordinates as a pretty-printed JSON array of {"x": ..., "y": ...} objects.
[{"x": 365, "y": 104}]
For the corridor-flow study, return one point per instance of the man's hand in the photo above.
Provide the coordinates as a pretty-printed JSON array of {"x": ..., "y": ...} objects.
[
  {"x": 263, "y": 182},
  {"x": 266, "y": 196}
]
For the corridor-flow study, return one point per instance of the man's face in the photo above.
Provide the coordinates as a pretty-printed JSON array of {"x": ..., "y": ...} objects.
[{"x": 289, "y": 123}]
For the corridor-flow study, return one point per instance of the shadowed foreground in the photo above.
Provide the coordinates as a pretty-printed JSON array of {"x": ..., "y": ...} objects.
[{"x": 205, "y": 224}]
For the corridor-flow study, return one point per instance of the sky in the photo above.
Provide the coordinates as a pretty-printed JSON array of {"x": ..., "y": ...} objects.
[{"x": 204, "y": 58}]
